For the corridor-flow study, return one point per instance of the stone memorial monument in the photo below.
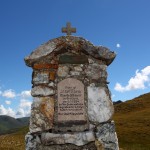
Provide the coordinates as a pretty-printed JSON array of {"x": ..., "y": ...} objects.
[{"x": 72, "y": 107}]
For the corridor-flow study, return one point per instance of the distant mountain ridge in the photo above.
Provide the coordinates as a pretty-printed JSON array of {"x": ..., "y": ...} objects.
[
  {"x": 139, "y": 103},
  {"x": 117, "y": 102},
  {"x": 9, "y": 124}
]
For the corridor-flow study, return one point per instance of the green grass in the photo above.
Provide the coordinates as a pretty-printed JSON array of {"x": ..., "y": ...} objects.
[{"x": 9, "y": 124}]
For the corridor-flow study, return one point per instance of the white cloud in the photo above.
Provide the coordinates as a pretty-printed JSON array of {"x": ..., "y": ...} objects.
[
  {"x": 8, "y": 102},
  {"x": 25, "y": 104},
  {"x": 24, "y": 108},
  {"x": 25, "y": 94},
  {"x": 20, "y": 113},
  {"x": 4, "y": 111},
  {"x": 118, "y": 87},
  {"x": 139, "y": 81},
  {"x": 118, "y": 45},
  {"x": 9, "y": 93}
]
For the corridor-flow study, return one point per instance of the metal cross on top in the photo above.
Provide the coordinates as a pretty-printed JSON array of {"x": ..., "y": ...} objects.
[{"x": 68, "y": 30}]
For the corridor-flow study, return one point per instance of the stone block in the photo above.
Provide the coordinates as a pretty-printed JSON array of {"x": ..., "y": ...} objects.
[
  {"x": 30, "y": 142},
  {"x": 100, "y": 107},
  {"x": 78, "y": 68},
  {"x": 42, "y": 113},
  {"x": 96, "y": 71},
  {"x": 99, "y": 145},
  {"x": 63, "y": 71},
  {"x": 51, "y": 84},
  {"x": 42, "y": 91},
  {"x": 103, "y": 67},
  {"x": 75, "y": 73},
  {"x": 40, "y": 77},
  {"x": 78, "y": 138},
  {"x": 107, "y": 136},
  {"x": 52, "y": 75},
  {"x": 91, "y": 61},
  {"x": 45, "y": 66}
]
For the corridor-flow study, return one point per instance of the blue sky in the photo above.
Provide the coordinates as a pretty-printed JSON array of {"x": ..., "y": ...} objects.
[{"x": 121, "y": 25}]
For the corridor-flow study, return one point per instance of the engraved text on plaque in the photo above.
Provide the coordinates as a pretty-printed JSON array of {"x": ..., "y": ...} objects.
[{"x": 71, "y": 105}]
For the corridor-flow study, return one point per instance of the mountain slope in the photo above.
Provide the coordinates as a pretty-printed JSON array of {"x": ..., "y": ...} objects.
[
  {"x": 132, "y": 120},
  {"x": 137, "y": 104},
  {"x": 8, "y": 124},
  {"x": 24, "y": 121}
]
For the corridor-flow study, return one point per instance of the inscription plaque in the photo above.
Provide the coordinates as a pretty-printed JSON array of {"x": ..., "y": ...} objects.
[
  {"x": 71, "y": 107},
  {"x": 73, "y": 59}
]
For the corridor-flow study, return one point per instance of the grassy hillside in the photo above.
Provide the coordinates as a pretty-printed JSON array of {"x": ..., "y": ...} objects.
[
  {"x": 132, "y": 120},
  {"x": 14, "y": 141},
  {"x": 9, "y": 124},
  {"x": 24, "y": 121}
]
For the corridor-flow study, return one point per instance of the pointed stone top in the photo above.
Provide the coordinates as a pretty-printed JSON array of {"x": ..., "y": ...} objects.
[
  {"x": 62, "y": 44},
  {"x": 68, "y": 30}
]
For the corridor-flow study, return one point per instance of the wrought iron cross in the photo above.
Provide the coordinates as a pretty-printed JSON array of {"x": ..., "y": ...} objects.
[{"x": 68, "y": 30}]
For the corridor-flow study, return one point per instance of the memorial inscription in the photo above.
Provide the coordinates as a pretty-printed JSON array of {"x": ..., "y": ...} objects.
[{"x": 71, "y": 105}]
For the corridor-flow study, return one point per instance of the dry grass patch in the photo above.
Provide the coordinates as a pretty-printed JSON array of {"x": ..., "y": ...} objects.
[
  {"x": 132, "y": 120},
  {"x": 14, "y": 141}
]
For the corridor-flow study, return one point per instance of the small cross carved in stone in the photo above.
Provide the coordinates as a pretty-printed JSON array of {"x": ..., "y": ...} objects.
[{"x": 68, "y": 30}]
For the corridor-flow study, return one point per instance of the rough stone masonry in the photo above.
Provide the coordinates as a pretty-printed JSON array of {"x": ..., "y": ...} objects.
[{"x": 72, "y": 107}]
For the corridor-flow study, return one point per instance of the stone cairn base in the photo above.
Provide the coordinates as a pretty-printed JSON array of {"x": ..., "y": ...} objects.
[
  {"x": 101, "y": 137},
  {"x": 72, "y": 107}
]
